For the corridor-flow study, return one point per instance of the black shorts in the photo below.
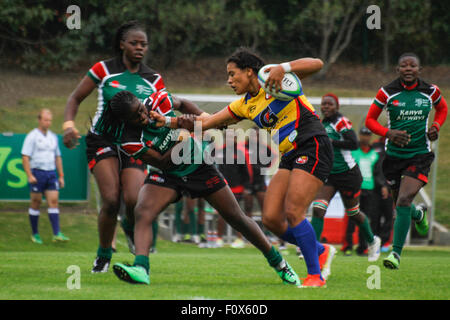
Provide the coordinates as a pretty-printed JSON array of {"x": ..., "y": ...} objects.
[
  {"x": 199, "y": 184},
  {"x": 417, "y": 167},
  {"x": 348, "y": 183},
  {"x": 314, "y": 156},
  {"x": 258, "y": 185},
  {"x": 98, "y": 148}
]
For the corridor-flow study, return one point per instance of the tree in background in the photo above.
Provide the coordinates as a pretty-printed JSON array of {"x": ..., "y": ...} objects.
[{"x": 34, "y": 35}]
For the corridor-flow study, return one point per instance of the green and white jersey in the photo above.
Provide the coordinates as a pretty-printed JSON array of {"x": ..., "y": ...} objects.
[
  {"x": 135, "y": 143},
  {"x": 408, "y": 108},
  {"x": 335, "y": 128},
  {"x": 366, "y": 162},
  {"x": 111, "y": 76}
]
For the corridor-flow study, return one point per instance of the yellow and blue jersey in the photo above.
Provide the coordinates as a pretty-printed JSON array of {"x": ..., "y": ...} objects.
[{"x": 289, "y": 122}]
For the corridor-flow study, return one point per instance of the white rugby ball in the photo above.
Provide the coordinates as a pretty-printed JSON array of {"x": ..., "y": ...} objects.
[{"x": 291, "y": 85}]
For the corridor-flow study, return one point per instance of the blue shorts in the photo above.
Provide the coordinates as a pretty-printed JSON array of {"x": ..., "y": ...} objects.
[{"x": 46, "y": 180}]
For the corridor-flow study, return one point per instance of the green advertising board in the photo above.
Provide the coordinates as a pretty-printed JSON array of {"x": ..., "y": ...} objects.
[{"x": 13, "y": 179}]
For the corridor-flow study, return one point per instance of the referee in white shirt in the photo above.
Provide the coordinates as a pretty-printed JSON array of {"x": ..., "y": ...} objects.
[{"x": 41, "y": 159}]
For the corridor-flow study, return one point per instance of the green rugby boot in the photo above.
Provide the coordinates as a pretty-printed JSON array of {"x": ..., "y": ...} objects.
[
  {"x": 131, "y": 274},
  {"x": 60, "y": 237},
  {"x": 36, "y": 238},
  {"x": 392, "y": 261},
  {"x": 422, "y": 224},
  {"x": 287, "y": 274}
]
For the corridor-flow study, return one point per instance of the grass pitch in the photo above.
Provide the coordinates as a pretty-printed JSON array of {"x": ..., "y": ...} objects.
[{"x": 185, "y": 272}]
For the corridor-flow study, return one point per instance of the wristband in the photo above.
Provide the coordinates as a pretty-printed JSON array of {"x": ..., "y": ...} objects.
[
  {"x": 68, "y": 124},
  {"x": 437, "y": 125},
  {"x": 168, "y": 121},
  {"x": 286, "y": 67}
]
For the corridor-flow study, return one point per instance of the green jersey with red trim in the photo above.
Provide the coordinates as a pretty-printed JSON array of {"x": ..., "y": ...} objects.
[
  {"x": 111, "y": 76},
  {"x": 335, "y": 128},
  {"x": 135, "y": 142},
  {"x": 408, "y": 108}
]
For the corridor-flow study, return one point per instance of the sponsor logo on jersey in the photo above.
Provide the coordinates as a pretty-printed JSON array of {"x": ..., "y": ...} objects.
[
  {"x": 397, "y": 103},
  {"x": 421, "y": 102},
  {"x": 141, "y": 89},
  {"x": 116, "y": 84},
  {"x": 302, "y": 160},
  {"x": 149, "y": 143}
]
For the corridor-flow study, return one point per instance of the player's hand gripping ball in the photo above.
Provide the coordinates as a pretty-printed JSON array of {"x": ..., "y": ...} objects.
[{"x": 291, "y": 85}]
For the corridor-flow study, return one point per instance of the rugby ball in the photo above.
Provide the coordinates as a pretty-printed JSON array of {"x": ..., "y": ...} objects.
[{"x": 291, "y": 86}]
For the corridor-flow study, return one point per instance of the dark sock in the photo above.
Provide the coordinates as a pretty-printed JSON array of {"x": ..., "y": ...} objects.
[
  {"x": 288, "y": 236},
  {"x": 273, "y": 257},
  {"x": 104, "y": 252},
  {"x": 306, "y": 239},
  {"x": 155, "y": 227},
  {"x": 366, "y": 230},
  {"x": 401, "y": 228},
  {"x": 317, "y": 224},
  {"x": 53, "y": 215},
  {"x": 192, "y": 223},
  {"x": 142, "y": 261},
  {"x": 34, "y": 220},
  {"x": 416, "y": 215}
]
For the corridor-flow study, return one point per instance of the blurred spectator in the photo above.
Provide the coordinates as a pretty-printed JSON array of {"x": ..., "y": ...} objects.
[{"x": 237, "y": 175}]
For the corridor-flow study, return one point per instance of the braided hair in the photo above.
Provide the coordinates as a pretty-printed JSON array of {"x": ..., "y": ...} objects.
[
  {"x": 122, "y": 32},
  {"x": 245, "y": 58},
  {"x": 116, "y": 112}
]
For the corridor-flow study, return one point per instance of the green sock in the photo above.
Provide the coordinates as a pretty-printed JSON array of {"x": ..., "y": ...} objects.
[
  {"x": 126, "y": 225},
  {"x": 104, "y": 252},
  {"x": 416, "y": 215},
  {"x": 184, "y": 228},
  {"x": 273, "y": 257},
  {"x": 142, "y": 261},
  {"x": 193, "y": 222},
  {"x": 201, "y": 228},
  {"x": 317, "y": 224},
  {"x": 178, "y": 210},
  {"x": 366, "y": 230},
  {"x": 401, "y": 228},
  {"x": 155, "y": 227}
]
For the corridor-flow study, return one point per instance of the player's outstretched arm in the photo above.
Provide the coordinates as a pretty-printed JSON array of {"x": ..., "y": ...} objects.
[
  {"x": 216, "y": 120},
  {"x": 186, "y": 106}
]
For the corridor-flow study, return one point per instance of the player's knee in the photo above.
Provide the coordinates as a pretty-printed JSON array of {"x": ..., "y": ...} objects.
[
  {"x": 295, "y": 214},
  {"x": 270, "y": 222},
  {"x": 319, "y": 208},
  {"x": 110, "y": 205},
  {"x": 144, "y": 214}
]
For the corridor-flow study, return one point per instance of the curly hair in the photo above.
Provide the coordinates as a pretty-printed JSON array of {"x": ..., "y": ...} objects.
[{"x": 245, "y": 58}]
